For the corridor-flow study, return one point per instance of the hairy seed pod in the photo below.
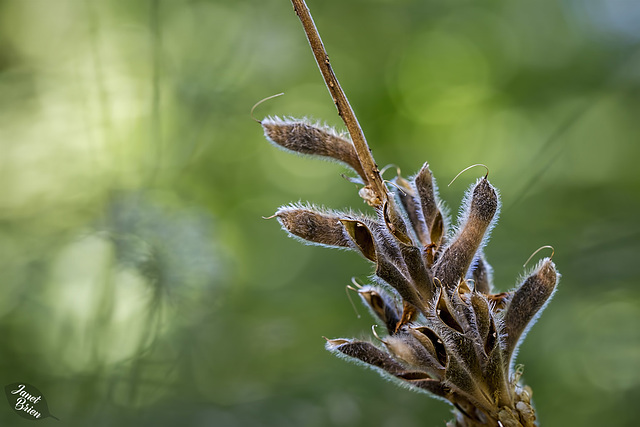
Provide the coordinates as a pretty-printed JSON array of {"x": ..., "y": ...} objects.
[
  {"x": 367, "y": 353},
  {"x": 371, "y": 355},
  {"x": 407, "y": 196},
  {"x": 456, "y": 259},
  {"x": 382, "y": 306},
  {"x": 464, "y": 348},
  {"x": 409, "y": 314},
  {"x": 389, "y": 273},
  {"x": 313, "y": 226},
  {"x": 462, "y": 309},
  {"x": 361, "y": 236},
  {"x": 446, "y": 313},
  {"x": 460, "y": 380},
  {"x": 493, "y": 340},
  {"x": 305, "y": 138},
  {"x": 495, "y": 375},
  {"x": 405, "y": 347},
  {"x": 428, "y": 345},
  {"x": 427, "y": 193},
  {"x": 483, "y": 318},
  {"x": 482, "y": 274},
  {"x": 527, "y": 301},
  {"x": 420, "y": 276},
  {"x": 437, "y": 230},
  {"x": 395, "y": 223},
  {"x": 433, "y": 386},
  {"x": 386, "y": 244},
  {"x": 499, "y": 301},
  {"x": 432, "y": 342}
]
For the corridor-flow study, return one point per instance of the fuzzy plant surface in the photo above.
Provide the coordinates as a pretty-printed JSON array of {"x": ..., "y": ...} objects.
[{"x": 443, "y": 329}]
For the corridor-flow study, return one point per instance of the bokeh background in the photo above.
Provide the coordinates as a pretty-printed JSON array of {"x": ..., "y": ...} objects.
[{"x": 139, "y": 283}]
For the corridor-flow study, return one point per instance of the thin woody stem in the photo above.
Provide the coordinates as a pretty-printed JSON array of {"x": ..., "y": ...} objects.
[{"x": 374, "y": 180}]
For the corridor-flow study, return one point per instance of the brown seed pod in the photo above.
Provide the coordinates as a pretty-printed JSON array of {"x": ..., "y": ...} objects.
[
  {"x": 432, "y": 342},
  {"x": 462, "y": 381},
  {"x": 420, "y": 276},
  {"x": 381, "y": 305},
  {"x": 456, "y": 258},
  {"x": 433, "y": 386},
  {"x": 367, "y": 353},
  {"x": 313, "y": 226},
  {"x": 395, "y": 223},
  {"x": 305, "y": 138},
  {"x": 495, "y": 375},
  {"x": 427, "y": 192},
  {"x": 361, "y": 237},
  {"x": 407, "y": 195},
  {"x": 391, "y": 274},
  {"x": 483, "y": 318},
  {"x": 482, "y": 274},
  {"x": 405, "y": 347},
  {"x": 527, "y": 302}
]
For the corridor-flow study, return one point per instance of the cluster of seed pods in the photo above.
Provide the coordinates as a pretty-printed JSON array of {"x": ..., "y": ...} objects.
[{"x": 447, "y": 333}]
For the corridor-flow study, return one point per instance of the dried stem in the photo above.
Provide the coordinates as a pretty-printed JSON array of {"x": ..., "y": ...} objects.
[{"x": 374, "y": 180}]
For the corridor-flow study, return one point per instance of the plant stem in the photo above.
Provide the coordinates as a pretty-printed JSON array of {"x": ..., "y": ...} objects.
[{"x": 374, "y": 180}]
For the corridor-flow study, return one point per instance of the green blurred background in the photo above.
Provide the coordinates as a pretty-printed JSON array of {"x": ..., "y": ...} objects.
[{"x": 140, "y": 284}]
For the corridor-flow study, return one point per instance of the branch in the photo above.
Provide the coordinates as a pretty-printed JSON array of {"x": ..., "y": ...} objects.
[{"x": 374, "y": 180}]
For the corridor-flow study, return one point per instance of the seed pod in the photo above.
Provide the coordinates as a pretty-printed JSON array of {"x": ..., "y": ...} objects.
[
  {"x": 493, "y": 340},
  {"x": 313, "y": 226},
  {"x": 446, "y": 312},
  {"x": 482, "y": 275},
  {"x": 454, "y": 262},
  {"x": 365, "y": 352},
  {"x": 527, "y": 302},
  {"x": 437, "y": 230},
  {"x": 432, "y": 343},
  {"x": 386, "y": 244},
  {"x": 305, "y": 138},
  {"x": 427, "y": 192},
  {"x": 483, "y": 318},
  {"x": 388, "y": 272},
  {"x": 495, "y": 375},
  {"x": 361, "y": 237},
  {"x": 395, "y": 223},
  {"x": 420, "y": 276},
  {"x": 409, "y": 314},
  {"x": 405, "y": 347},
  {"x": 431, "y": 214},
  {"x": 407, "y": 196},
  {"x": 382, "y": 306},
  {"x": 371, "y": 355},
  {"x": 433, "y": 386},
  {"x": 462, "y": 309},
  {"x": 464, "y": 349},
  {"x": 464, "y": 383}
]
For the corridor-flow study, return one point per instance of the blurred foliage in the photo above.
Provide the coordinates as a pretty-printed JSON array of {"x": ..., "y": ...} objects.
[{"x": 140, "y": 285}]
